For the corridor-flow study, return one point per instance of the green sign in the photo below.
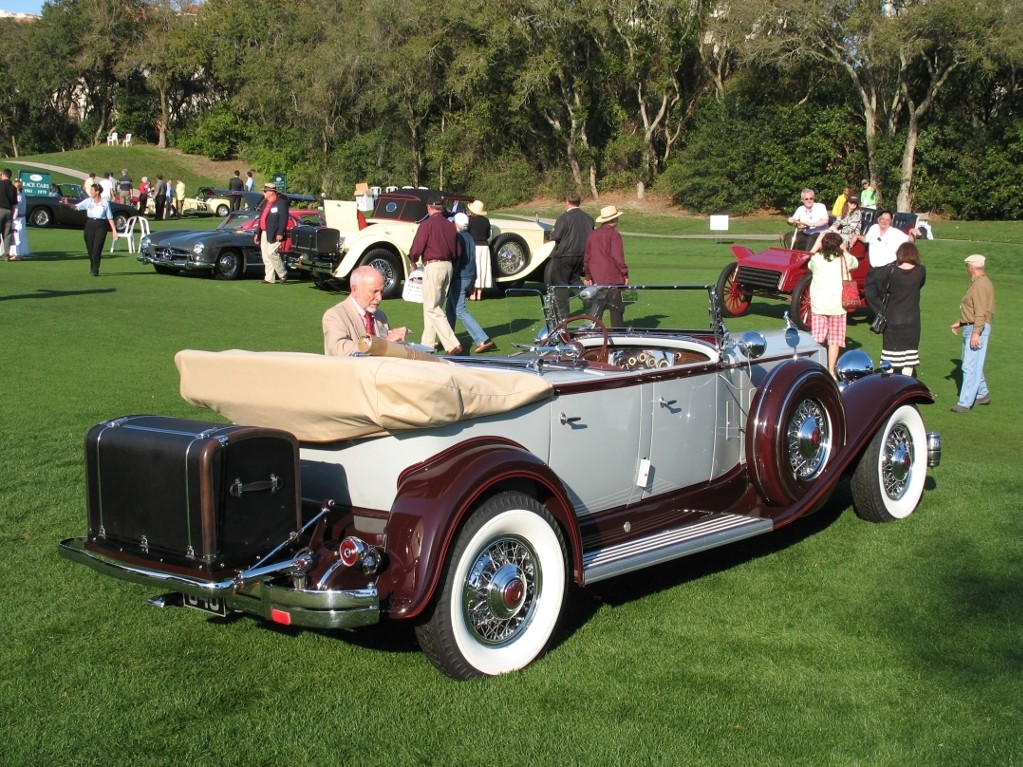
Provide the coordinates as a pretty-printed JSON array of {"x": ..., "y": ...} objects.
[
  {"x": 279, "y": 180},
  {"x": 34, "y": 183}
]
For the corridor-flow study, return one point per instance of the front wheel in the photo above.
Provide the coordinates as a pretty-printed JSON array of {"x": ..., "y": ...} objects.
[
  {"x": 801, "y": 311},
  {"x": 120, "y": 222},
  {"x": 733, "y": 299},
  {"x": 502, "y": 592},
  {"x": 223, "y": 210},
  {"x": 229, "y": 265},
  {"x": 888, "y": 482}
]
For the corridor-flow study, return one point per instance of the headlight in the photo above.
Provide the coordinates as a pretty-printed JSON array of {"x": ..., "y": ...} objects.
[
  {"x": 198, "y": 248},
  {"x": 144, "y": 243}
]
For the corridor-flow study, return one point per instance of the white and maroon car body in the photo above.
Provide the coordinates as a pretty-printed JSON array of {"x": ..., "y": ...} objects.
[{"x": 464, "y": 495}]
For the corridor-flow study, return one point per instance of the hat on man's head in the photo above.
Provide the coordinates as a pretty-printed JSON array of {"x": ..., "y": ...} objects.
[
  {"x": 436, "y": 201},
  {"x": 977, "y": 261},
  {"x": 864, "y": 181},
  {"x": 476, "y": 208},
  {"x": 608, "y": 213},
  {"x": 461, "y": 221},
  {"x": 853, "y": 198},
  {"x": 269, "y": 187}
]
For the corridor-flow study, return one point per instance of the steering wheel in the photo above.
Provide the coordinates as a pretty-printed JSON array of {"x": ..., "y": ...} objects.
[{"x": 562, "y": 331}]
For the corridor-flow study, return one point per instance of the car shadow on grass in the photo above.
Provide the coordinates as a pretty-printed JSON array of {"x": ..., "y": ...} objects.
[{"x": 583, "y": 603}]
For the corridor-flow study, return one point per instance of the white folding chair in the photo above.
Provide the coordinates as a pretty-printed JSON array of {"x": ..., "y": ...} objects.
[
  {"x": 112, "y": 139},
  {"x": 127, "y": 140},
  {"x": 140, "y": 222}
]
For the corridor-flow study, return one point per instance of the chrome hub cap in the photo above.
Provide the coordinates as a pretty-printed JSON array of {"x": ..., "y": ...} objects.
[
  {"x": 809, "y": 440},
  {"x": 500, "y": 591},
  {"x": 897, "y": 462}
]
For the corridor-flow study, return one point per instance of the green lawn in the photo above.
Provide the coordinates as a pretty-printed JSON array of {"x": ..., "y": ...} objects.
[{"x": 832, "y": 642}]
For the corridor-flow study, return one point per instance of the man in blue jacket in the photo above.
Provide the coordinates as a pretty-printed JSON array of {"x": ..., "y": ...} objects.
[{"x": 270, "y": 234}]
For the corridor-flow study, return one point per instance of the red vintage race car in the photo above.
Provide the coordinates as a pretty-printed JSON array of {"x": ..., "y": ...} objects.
[{"x": 781, "y": 272}]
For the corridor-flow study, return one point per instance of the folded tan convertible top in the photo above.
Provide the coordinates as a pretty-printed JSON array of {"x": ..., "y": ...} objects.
[{"x": 322, "y": 399}]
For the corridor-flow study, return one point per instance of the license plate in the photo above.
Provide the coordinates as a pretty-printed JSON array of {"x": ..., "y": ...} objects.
[{"x": 210, "y": 605}]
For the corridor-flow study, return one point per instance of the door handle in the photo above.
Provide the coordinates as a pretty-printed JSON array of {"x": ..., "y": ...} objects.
[
  {"x": 566, "y": 419},
  {"x": 666, "y": 402}
]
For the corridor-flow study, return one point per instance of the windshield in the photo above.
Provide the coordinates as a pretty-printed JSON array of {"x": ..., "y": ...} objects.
[{"x": 534, "y": 314}]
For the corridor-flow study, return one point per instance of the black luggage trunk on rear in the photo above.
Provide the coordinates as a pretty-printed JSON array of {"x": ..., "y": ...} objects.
[{"x": 210, "y": 495}]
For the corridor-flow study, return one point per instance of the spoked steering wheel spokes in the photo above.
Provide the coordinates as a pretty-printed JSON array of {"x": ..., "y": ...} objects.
[{"x": 562, "y": 332}]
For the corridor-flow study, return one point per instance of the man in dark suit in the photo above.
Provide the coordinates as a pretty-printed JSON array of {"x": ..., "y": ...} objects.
[
  {"x": 271, "y": 232},
  {"x": 236, "y": 186}
]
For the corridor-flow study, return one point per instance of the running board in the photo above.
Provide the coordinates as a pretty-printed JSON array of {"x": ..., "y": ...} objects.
[{"x": 716, "y": 530}]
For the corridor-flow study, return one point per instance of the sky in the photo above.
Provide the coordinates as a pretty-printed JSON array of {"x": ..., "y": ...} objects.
[{"x": 22, "y": 6}]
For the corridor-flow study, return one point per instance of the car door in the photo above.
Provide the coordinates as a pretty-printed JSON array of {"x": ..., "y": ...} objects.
[
  {"x": 684, "y": 433},
  {"x": 595, "y": 437}
]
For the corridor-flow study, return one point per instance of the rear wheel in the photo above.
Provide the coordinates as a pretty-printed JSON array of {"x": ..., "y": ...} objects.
[
  {"x": 41, "y": 217},
  {"x": 511, "y": 255},
  {"x": 734, "y": 300},
  {"x": 801, "y": 303},
  {"x": 385, "y": 262},
  {"x": 229, "y": 266},
  {"x": 888, "y": 482},
  {"x": 120, "y": 222},
  {"x": 502, "y": 592},
  {"x": 223, "y": 210}
]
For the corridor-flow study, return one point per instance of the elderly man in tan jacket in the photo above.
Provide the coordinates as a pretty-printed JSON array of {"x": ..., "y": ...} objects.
[{"x": 358, "y": 315}]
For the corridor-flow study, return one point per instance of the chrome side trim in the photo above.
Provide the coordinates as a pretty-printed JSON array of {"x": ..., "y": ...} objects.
[
  {"x": 247, "y": 592},
  {"x": 714, "y": 531}
]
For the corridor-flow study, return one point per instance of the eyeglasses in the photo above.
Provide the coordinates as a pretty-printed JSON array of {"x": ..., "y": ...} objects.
[{"x": 808, "y": 199}]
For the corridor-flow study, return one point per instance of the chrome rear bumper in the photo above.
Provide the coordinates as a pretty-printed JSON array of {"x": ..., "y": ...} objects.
[{"x": 250, "y": 591}]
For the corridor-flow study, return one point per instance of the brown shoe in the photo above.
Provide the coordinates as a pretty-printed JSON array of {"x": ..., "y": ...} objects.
[
  {"x": 985, "y": 400},
  {"x": 453, "y": 351},
  {"x": 486, "y": 346},
  {"x": 959, "y": 409}
]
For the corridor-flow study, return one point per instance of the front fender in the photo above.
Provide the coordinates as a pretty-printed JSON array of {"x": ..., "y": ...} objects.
[
  {"x": 870, "y": 400},
  {"x": 433, "y": 499},
  {"x": 396, "y": 238}
]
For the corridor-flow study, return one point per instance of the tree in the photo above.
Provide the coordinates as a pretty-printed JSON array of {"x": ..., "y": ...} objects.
[
  {"x": 896, "y": 56},
  {"x": 650, "y": 42}
]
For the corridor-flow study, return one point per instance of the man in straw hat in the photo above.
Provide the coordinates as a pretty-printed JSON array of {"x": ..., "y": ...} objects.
[
  {"x": 976, "y": 311},
  {"x": 604, "y": 264},
  {"x": 271, "y": 230}
]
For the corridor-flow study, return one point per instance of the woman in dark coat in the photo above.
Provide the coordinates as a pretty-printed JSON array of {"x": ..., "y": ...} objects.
[{"x": 901, "y": 339}]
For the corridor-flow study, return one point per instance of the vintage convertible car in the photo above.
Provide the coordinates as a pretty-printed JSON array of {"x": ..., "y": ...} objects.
[
  {"x": 52, "y": 209},
  {"x": 383, "y": 240},
  {"x": 781, "y": 272},
  {"x": 227, "y": 252},
  {"x": 464, "y": 495}
]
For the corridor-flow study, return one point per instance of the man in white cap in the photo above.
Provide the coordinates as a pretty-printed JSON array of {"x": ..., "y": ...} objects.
[
  {"x": 604, "y": 264},
  {"x": 976, "y": 311}
]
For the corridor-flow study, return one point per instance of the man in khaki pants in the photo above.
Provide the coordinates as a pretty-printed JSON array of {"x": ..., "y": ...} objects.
[{"x": 437, "y": 245}]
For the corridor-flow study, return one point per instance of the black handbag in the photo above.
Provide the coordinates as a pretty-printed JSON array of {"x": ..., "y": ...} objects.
[{"x": 881, "y": 319}]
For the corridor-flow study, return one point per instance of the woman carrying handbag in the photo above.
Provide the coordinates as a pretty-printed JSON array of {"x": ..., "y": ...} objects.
[
  {"x": 899, "y": 305},
  {"x": 827, "y": 312}
]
